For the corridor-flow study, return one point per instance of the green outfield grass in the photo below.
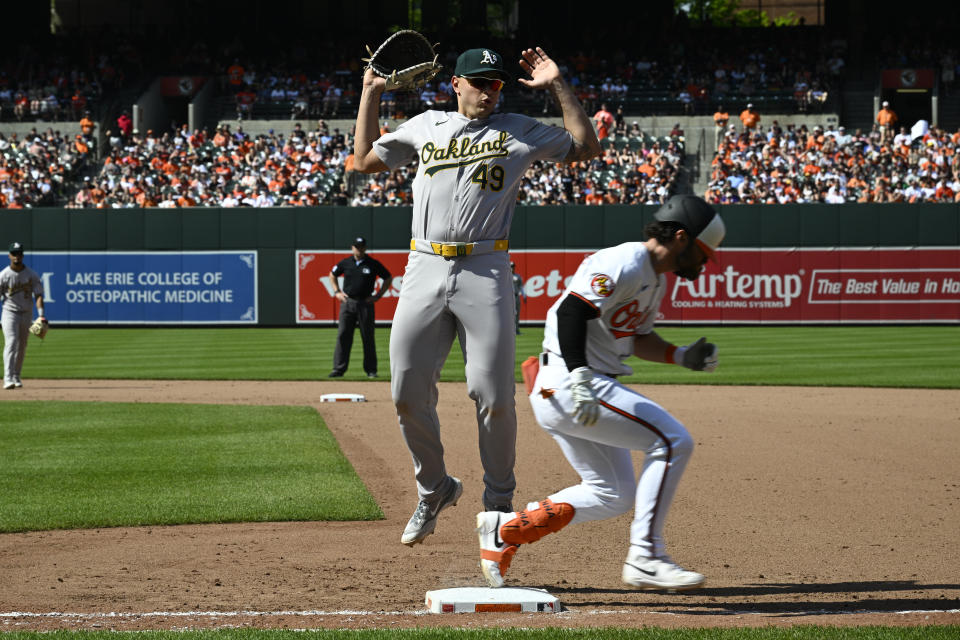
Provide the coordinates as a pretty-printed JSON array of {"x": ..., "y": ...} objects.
[
  {"x": 646, "y": 633},
  {"x": 831, "y": 356},
  {"x": 82, "y": 465}
]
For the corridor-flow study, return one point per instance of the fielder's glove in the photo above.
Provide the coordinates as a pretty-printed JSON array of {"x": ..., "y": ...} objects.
[
  {"x": 586, "y": 408},
  {"x": 406, "y": 59},
  {"x": 699, "y": 356},
  {"x": 39, "y": 327}
]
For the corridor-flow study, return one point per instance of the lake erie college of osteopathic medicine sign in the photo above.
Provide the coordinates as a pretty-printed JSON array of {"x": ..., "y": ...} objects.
[
  {"x": 194, "y": 287},
  {"x": 746, "y": 286}
]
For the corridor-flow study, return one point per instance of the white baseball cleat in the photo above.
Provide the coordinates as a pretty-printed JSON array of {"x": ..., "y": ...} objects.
[
  {"x": 424, "y": 519},
  {"x": 8, "y": 384},
  {"x": 495, "y": 554},
  {"x": 17, "y": 383},
  {"x": 651, "y": 573}
]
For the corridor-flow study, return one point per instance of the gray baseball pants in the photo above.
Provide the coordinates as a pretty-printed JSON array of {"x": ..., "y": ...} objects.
[
  {"x": 16, "y": 330},
  {"x": 470, "y": 298}
]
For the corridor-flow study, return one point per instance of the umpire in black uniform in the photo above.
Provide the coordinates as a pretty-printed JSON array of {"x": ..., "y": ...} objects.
[{"x": 360, "y": 273}]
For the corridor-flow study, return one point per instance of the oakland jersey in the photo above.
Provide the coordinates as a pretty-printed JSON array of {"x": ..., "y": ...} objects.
[
  {"x": 17, "y": 289},
  {"x": 470, "y": 171}
]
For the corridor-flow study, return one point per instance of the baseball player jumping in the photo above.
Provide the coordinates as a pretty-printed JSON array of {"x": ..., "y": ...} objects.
[
  {"x": 457, "y": 282},
  {"x": 19, "y": 285},
  {"x": 605, "y": 315}
]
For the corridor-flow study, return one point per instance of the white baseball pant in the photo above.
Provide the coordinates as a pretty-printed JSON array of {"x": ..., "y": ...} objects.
[{"x": 600, "y": 454}]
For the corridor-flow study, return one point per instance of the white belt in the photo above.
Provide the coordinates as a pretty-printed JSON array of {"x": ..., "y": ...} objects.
[{"x": 456, "y": 249}]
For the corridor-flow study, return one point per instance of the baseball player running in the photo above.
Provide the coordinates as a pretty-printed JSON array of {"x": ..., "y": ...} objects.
[
  {"x": 457, "y": 280},
  {"x": 19, "y": 285},
  {"x": 605, "y": 315}
]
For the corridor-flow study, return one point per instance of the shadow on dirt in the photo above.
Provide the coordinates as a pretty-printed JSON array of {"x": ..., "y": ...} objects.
[{"x": 837, "y": 597}]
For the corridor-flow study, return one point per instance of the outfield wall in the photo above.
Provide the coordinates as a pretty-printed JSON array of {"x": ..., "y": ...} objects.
[{"x": 867, "y": 239}]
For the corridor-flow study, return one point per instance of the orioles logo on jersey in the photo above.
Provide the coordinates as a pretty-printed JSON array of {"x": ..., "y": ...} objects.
[
  {"x": 602, "y": 285},
  {"x": 625, "y": 320}
]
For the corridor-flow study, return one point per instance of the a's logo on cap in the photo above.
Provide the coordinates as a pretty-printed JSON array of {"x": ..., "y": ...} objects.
[
  {"x": 602, "y": 285},
  {"x": 488, "y": 58}
]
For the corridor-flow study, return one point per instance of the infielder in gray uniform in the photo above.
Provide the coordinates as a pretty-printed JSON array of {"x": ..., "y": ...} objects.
[
  {"x": 457, "y": 281},
  {"x": 19, "y": 285}
]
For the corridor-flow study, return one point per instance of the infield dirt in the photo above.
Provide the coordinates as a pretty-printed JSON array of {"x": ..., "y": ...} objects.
[{"x": 801, "y": 506}]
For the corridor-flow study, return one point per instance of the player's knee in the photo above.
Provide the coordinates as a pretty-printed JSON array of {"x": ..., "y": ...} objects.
[
  {"x": 682, "y": 444},
  {"x": 619, "y": 504},
  {"x": 616, "y": 499},
  {"x": 494, "y": 402}
]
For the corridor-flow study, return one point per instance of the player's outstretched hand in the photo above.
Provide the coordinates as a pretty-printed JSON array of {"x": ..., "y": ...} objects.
[
  {"x": 699, "y": 356},
  {"x": 541, "y": 68}
]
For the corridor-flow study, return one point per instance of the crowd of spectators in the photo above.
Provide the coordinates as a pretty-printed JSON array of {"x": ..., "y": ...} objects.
[
  {"x": 185, "y": 168},
  {"x": 38, "y": 169},
  {"x": 803, "y": 165},
  {"x": 633, "y": 169},
  {"x": 62, "y": 78},
  {"x": 281, "y": 92},
  {"x": 715, "y": 66},
  {"x": 709, "y": 67},
  {"x": 303, "y": 80},
  {"x": 182, "y": 168}
]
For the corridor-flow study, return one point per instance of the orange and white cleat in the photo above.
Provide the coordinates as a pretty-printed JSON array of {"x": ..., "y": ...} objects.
[{"x": 495, "y": 554}]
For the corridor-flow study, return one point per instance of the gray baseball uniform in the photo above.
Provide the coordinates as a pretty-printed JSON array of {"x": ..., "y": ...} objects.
[
  {"x": 17, "y": 291},
  {"x": 464, "y": 192}
]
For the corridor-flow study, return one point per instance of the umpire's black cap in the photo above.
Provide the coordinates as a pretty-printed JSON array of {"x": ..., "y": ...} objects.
[
  {"x": 696, "y": 216},
  {"x": 15, "y": 247}
]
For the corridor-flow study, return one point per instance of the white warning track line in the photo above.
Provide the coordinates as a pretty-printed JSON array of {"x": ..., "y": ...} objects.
[{"x": 268, "y": 614}]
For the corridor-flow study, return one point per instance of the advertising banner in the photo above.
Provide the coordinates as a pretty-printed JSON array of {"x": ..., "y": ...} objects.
[
  {"x": 315, "y": 300},
  {"x": 821, "y": 286},
  {"x": 747, "y": 286},
  {"x": 202, "y": 287}
]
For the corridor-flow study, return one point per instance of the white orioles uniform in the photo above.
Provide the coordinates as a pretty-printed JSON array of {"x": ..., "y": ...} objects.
[{"x": 621, "y": 283}]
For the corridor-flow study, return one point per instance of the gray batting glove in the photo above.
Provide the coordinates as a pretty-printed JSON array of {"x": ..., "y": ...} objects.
[
  {"x": 586, "y": 408},
  {"x": 699, "y": 356}
]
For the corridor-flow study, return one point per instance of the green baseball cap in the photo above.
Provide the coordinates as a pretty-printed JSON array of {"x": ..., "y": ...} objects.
[{"x": 480, "y": 62}]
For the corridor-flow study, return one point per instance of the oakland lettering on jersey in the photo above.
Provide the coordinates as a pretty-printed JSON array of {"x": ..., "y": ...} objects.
[{"x": 464, "y": 151}]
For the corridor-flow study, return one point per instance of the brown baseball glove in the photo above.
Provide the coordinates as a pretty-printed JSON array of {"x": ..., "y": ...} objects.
[
  {"x": 40, "y": 327},
  {"x": 406, "y": 59}
]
